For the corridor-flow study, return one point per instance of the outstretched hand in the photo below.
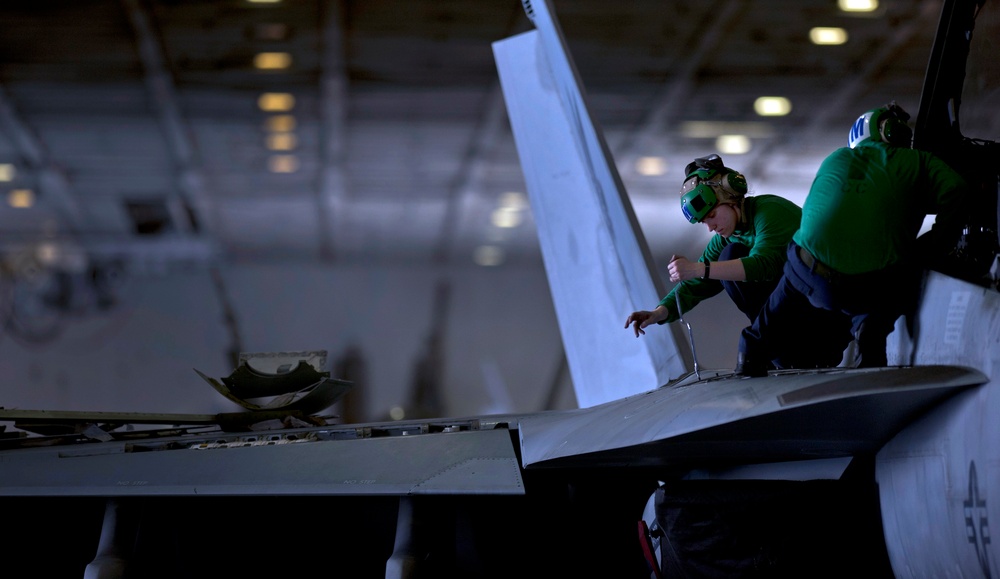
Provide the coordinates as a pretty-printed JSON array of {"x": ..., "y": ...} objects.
[{"x": 639, "y": 320}]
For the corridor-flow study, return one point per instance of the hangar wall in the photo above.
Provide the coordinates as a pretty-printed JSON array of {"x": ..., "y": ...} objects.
[{"x": 502, "y": 351}]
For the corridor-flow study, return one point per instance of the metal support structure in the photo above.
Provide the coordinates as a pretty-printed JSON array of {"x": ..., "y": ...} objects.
[{"x": 118, "y": 535}]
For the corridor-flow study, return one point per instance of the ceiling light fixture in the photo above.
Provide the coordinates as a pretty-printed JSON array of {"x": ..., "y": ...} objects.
[
  {"x": 282, "y": 141},
  {"x": 276, "y": 102},
  {"x": 506, "y": 217},
  {"x": 858, "y": 5},
  {"x": 272, "y": 61},
  {"x": 772, "y": 106},
  {"x": 21, "y": 198},
  {"x": 283, "y": 163},
  {"x": 514, "y": 200},
  {"x": 280, "y": 124},
  {"x": 651, "y": 166},
  {"x": 733, "y": 144},
  {"x": 7, "y": 172},
  {"x": 827, "y": 36},
  {"x": 713, "y": 129}
]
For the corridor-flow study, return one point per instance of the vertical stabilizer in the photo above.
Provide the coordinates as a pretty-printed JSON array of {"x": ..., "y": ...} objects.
[{"x": 598, "y": 264}]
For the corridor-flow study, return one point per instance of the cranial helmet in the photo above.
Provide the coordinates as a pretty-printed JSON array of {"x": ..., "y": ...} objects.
[
  {"x": 886, "y": 124},
  {"x": 707, "y": 183}
]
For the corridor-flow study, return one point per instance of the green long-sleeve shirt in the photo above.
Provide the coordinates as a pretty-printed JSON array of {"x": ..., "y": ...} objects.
[
  {"x": 770, "y": 221},
  {"x": 867, "y": 204}
]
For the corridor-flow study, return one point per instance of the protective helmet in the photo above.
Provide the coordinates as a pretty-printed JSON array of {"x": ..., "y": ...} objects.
[
  {"x": 886, "y": 124},
  {"x": 707, "y": 183}
]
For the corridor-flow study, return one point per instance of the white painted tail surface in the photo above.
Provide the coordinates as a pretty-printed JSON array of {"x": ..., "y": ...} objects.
[{"x": 596, "y": 258}]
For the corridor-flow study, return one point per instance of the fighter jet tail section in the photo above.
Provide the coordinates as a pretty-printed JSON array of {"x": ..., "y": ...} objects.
[{"x": 596, "y": 258}]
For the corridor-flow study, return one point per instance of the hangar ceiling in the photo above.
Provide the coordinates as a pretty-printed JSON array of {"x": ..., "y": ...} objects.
[{"x": 137, "y": 130}]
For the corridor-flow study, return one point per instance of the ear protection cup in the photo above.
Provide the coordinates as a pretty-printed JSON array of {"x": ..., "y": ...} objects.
[
  {"x": 734, "y": 183},
  {"x": 886, "y": 124},
  {"x": 895, "y": 131}
]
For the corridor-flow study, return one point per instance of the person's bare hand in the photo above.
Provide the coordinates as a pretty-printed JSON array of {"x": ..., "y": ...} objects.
[
  {"x": 681, "y": 268},
  {"x": 638, "y": 321}
]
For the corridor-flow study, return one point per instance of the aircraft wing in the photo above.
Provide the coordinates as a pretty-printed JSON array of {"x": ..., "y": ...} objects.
[
  {"x": 333, "y": 460},
  {"x": 724, "y": 420},
  {"x": 732, "y": 420}
]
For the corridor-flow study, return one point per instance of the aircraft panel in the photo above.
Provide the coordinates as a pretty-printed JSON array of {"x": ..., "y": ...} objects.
[
  {"x": 813, "y": 414},
  {"x": 948, "y": 462},
  {"x": 596, "y": 259},
  {"x": 456, "y": 463}
]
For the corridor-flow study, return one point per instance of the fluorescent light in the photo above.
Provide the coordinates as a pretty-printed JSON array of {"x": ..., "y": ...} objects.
[
  {"x": 488, "y": 255},
  {"x": 514, "y": 200},
  {"x": 276, "y": 102},
  {"x": 282, "y": 141},
  {"x": 771, "y": 106},
  {"x": 712, "y": 129},
  {"x": 7, "y": 172},
  {"x": 510, "y": 210},
  {"x": 272, "y": 60},
  {"x": 823, "y": 35},
  {"x": 283, "y": 163},
  {"x": 651, "y": 166},
  {"x": 732, "y": 144},
  {"x": 858, "y": 5},
  {"x": 506, "y": 217},
  {"x": 281, "y": 123},
  {"x": 21, "y": 198}
]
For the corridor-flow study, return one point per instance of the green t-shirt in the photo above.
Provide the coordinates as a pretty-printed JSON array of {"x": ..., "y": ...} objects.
[
  {"x": 770, "y": 222},
  {"x": 867, "y": 204}
]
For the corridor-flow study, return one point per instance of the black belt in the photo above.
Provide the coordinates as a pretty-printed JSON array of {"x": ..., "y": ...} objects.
[{"x": 816, "y": 266}]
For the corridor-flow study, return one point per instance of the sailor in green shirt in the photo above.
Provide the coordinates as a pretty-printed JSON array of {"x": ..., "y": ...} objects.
[
  {"x": 855, "y": 252},
  {"x": 744, "y": 257}
]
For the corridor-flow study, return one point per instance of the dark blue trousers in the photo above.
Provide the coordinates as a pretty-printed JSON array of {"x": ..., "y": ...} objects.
[
  {"x": 749, "y": 297},
  {"x": 810, "y": 318}
]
